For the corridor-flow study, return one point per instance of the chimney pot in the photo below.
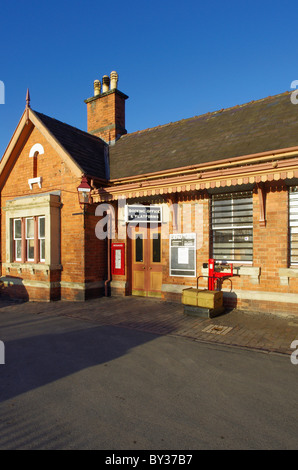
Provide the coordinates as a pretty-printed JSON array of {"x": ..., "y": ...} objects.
[
  {"x": 96, "y": 87},
  {"x": 114, "y": 79},
  {"x": 105, "y": 83},
  {"x": 106, "y": 110}
]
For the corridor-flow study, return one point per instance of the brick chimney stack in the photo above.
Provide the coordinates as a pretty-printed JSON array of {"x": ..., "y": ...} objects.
[{"x": 106, "y": 110}]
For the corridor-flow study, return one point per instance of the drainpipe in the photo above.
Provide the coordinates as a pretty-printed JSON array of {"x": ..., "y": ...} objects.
[{"x": 109, "y": 258}]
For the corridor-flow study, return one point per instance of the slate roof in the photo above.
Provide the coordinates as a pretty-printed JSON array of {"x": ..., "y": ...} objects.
[
  {"x": 259, "y": 126},
  {"x": 87, "y": 150}
]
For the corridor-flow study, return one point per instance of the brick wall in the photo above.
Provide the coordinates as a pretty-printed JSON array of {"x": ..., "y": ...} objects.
[
  {"x": 40, "y": 284},
  {"x": 270, "y": 254},
  {"x": 259, "y": 285},
  {"x": 267, "y": 284},
  {"x": 106, "y": 116},
  {"x": 95, "y": 256}
]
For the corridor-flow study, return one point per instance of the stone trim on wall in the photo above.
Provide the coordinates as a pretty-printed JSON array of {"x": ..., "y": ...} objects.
[
  {"x": 286, "y": 273},
  {"x": 8, "y": 281},
  {"x": 82, "y": 285},
  {"x": 273, "y": 297},
  {"x": 251, "y": 271},
  {"x": 119, "y": 284},
  {"x": 280, "y": 297},
  {"x": 32, "y": 267}
]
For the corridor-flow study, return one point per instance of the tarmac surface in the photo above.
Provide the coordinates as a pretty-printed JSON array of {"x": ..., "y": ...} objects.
[{"x": 268, "y": 333}]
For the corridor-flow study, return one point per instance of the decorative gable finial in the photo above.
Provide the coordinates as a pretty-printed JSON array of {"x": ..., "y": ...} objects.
[
  {"x": 28, "y": 99},
  {"x": 27, "y": 105}
]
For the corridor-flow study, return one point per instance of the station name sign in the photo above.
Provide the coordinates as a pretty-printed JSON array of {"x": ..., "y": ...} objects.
[{"x": 139, "y": 213}]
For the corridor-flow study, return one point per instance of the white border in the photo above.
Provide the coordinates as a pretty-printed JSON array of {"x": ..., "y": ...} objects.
[
  {"x": 143, "y": 221},
  {"x": 176, "y": 235}
]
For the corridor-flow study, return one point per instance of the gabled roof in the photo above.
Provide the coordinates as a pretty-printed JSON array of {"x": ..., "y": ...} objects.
[
  {"x": 87, "y": 150},
  {"x": 83, "y": 152},
  {"x": 259, "y": 126}
]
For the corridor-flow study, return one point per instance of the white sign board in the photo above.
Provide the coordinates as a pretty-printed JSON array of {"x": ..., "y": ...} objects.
[
  {"x": 183, "y": 254},
  {"x": 139, "y": 213}
]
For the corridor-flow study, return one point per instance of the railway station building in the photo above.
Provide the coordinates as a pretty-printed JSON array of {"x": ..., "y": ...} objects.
[{"x": 107, "y": 212}]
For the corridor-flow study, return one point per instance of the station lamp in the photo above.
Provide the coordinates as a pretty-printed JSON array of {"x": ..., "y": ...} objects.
[{"x": 84, "y": 193}]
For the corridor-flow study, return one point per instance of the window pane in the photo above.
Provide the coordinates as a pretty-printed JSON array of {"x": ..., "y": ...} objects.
[
  {"x": 29, "y": 228},
  {"x": 18, "y": 250},
  {"x": 139, "y": 248},
  {"x": 30, "y": 249},
  {"x": 233, "y": 245},
  {"x": 156, "y": 248},
  {"x": 41, "y": 223},
  {"x": 232, "y": 210},
  {"x": 17, "y": 228},
  {"x": 42, "y": 250}
]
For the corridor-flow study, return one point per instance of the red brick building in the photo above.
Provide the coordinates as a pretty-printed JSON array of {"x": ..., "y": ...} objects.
[{"x": 223, "y": 185}]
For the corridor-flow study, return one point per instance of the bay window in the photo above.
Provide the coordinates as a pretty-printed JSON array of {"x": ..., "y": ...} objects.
[
  {"x": 29, "y": 239},
  {"x": 33, "y": 232}
]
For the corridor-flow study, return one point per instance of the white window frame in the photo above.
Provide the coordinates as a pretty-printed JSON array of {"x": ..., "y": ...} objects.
[
  {"x": 29, "y": 238},
  {"x": 40, "y": 239},
  {"x": 37, "y": 241},
  {"x": 15, "y": 239}
]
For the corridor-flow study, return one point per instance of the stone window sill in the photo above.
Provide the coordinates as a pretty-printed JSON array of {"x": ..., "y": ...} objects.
[
  {"x": 286, "y": 273},
  {"x": 31, "y": 267},
  {"x": 252, "y": 272}
]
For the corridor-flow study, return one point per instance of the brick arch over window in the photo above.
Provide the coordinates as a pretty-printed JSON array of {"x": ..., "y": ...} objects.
[{"x": 36, "y": 149}]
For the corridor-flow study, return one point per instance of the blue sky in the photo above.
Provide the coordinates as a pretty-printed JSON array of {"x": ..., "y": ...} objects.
[{"x": 174, "y": 59}]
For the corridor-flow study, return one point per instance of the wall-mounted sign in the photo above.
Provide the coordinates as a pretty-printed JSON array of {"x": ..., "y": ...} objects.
[
  {"x": 183, "y": 254},
  {"x": 139, "y": 213}
]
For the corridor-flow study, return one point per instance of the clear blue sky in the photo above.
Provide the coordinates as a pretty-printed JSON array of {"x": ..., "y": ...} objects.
[{"x": 174, "y": 59}]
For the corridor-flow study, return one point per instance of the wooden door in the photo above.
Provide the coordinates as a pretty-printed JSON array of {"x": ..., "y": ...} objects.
[{"x": 146, "y": 261}]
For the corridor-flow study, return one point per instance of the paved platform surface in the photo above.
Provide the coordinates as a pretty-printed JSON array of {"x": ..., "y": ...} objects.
[
  {"x": 265, "y": 332},
  {"x": 259, "y": 331}
]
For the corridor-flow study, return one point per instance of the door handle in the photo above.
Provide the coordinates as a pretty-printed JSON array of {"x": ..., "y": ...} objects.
[{"x": 150, "y": 267}]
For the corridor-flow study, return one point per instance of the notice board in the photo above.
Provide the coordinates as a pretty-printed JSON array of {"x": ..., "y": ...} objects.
[{"x": 183, "y": 254}]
